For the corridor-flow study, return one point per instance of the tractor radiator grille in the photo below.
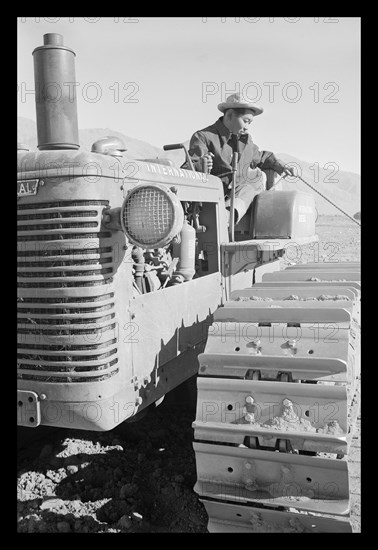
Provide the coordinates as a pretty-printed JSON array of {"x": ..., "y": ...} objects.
[{"x": 67, "y": 330}]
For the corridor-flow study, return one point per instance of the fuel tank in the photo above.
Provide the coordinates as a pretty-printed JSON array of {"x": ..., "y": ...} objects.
[{"x": 283, "y": 215}]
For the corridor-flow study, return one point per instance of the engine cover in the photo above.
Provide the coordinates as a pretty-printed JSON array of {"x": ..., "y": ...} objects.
[{"x": 283, "y": 215}]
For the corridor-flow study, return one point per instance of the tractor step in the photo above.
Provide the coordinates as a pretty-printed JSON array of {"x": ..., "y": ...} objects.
[
  {"x": 312, "y": 417},
  {"x": 291, "y": 293},
  {"x": 264, "y": 477},
  {"x": 308, "y": 284},
  {"x": 326, "y": 266},
  {"x": 238, "y": 518},
  {"x": 313, "y": 275}
]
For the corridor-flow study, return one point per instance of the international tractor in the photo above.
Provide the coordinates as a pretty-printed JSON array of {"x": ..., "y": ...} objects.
[{"x": 130, "y": 281}]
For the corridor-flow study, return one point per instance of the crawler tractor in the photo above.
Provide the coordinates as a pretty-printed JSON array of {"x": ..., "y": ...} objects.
[{"x": 129, "y": 284}]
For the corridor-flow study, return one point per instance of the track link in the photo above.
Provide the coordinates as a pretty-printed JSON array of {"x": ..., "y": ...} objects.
[{"x": 278, "y": 399}]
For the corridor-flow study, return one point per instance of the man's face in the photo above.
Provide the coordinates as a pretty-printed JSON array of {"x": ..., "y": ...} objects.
[{"x": 239, "y": 124}]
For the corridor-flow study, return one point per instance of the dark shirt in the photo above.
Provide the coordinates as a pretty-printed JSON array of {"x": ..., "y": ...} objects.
[{"x": 217, "y": 139}]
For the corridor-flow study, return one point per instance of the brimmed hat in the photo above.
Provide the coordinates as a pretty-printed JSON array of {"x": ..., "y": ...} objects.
[{"x": 234, "y": 102}]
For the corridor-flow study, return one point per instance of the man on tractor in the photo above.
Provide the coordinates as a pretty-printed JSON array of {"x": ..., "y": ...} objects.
[{"x": 211, "y": 150}]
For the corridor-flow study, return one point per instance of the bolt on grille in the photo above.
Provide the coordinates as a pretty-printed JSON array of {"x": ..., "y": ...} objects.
[
  {"x": 59, "y": 215},
  {"x": 61, "y": 204},
  {"x": 67, "y": 379},
  {"x": 64, "y": 368},
  {"x": 63, "y": 252},
  {"x": 67, "y": 300},
  {"x": 60, "y": 310},
  {"x": 64, "y": 236},
  {"x": 55, "y": 263},
  {"x": 69, "y": 347},
  {"x": 68, "y": 319},
  {"x": 65, "y": 358},
  {"x": 63, "y": 284}
]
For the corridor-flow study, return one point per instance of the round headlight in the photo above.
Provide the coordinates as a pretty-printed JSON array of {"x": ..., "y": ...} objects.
[{"x": 151, "y": 215}]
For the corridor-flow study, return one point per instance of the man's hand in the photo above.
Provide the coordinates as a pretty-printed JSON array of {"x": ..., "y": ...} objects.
[
  {"x": 288, "y": 171},
  {"x": 209, "y": 161}
]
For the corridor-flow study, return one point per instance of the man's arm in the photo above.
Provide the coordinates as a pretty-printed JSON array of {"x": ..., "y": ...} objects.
[
  {"x": 197, "y": 149},
  {"x": 268, "y": 160}
]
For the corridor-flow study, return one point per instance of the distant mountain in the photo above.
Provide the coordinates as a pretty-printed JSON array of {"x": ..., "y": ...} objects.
[
  {"x": 27, "y": 134},
  {"x": 342, "y": 188}
]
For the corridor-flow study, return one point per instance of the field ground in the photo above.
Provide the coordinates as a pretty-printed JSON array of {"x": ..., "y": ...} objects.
[{"x": 339, "y": 241}]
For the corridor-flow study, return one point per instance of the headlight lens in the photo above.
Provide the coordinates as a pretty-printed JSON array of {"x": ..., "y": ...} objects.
[{"x": 151, "y": 215}]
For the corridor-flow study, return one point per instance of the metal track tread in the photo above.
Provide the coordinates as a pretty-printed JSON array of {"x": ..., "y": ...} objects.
[{"x": 278, "y": 399}]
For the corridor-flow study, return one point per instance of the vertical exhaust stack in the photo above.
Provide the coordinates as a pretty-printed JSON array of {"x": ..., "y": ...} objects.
[{"x": 55, "y": 94}]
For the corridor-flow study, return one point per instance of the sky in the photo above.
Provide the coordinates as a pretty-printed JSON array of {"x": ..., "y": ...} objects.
[{"x": 160, "y": 79}]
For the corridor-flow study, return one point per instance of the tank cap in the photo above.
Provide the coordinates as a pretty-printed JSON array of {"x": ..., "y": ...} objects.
[
  {"x": 52, "y": 39},
  {"x": 110, "y": 145}
]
